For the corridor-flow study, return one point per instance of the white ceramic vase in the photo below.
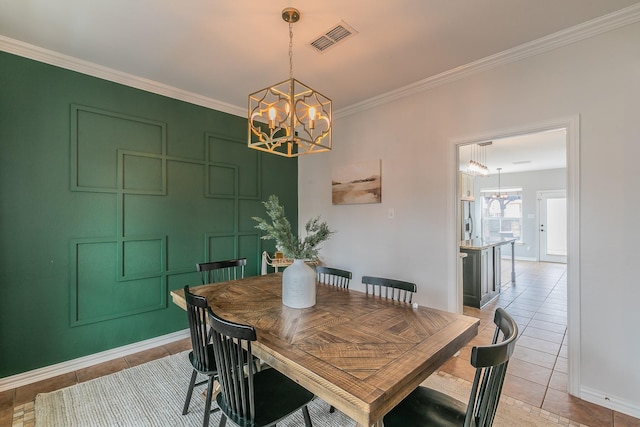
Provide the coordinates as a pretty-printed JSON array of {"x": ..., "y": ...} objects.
[{"x": 299, "y": 285}]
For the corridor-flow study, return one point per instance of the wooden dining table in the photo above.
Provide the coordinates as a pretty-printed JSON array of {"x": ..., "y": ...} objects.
[{"x": 360, "y": 353}]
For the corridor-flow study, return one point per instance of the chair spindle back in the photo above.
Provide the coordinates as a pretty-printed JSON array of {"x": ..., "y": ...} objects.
[
  {"x": 229, "y": 339},
  {"x": 221, "y": 271},
  {"x": 491, "y": 367},
  {"x": 197, "y": 314},
  {"x": 333, "y": 276},
  {"x": 397, "y": 290}
]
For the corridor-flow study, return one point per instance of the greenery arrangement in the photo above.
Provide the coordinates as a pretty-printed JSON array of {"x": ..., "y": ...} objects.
[{"x": 280, "y": 230}]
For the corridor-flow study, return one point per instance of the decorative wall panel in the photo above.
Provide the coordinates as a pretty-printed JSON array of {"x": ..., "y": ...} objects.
[
  {"x": 219, "y": 149},
  {"x": 142, "y": 173},
  {"x": 111, "y": 195},
  {"x": 249, "y": 247},
  {"x": 142, "y": 258},
  {"x": 98, "y": 295},
  {"x": 96, "y": 135},
  {"x": 220, "y": 247},
  {"x": 222, "y": 181},
  {"x": 165, "y": 206}
]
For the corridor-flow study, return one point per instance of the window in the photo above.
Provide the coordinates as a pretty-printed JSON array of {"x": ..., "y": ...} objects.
[{"x": 501, "y": 214}]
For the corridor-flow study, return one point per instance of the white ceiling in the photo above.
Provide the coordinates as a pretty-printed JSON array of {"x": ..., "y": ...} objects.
[
  {"x": 224, "y": 50},
  {"x": 531, "y": 152},
  {"x": 228, "y": 49}
]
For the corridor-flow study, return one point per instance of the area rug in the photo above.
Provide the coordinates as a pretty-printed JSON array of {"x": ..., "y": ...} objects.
[{"x": 152, "y": 394}]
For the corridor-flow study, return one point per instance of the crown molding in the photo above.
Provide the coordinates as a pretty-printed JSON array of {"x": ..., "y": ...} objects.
[
  {"x": 612, "y": 21},
  {"x": 89, "y": 68},
  {"x": 603, "y": 24}
]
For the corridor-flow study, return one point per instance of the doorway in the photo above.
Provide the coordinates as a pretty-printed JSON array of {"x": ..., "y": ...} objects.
[
  {"x": 552, "y": 226},
  {"x": 570, "y": 125},
  {"x": 517, "y": 168}
]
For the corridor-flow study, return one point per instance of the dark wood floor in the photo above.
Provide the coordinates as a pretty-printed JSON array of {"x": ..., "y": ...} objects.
[{"x": 537, "y": 372}]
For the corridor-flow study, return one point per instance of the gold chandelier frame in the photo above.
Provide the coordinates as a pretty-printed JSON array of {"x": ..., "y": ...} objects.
[{"x": 289, "y": 118}]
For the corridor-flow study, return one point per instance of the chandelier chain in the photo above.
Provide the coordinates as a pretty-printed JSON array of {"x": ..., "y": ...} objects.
[{"x": 290, "y": 50}]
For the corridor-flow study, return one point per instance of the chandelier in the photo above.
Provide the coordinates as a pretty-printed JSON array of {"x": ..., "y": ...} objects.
[
  {"x": 478, "y": 157},
  {"x": 289, "y": 118},
  {"x": 499, "y": 195}
]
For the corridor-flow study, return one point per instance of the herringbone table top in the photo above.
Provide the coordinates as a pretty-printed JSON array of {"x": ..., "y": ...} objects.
[{"x": 360, "y": 353}]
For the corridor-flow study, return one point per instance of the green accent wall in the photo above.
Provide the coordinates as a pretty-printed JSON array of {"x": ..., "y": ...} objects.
[{"x": 110, "y": 196}]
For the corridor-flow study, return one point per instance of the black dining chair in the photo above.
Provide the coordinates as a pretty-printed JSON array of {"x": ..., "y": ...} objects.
[
  {"x": 201, "y": 357},
  {"x": 247, "y": 397},
  {"x": 398, "y": 290},
  {"x": 333, "y": 276},
  {"x": 428, "y": 407},
  {"x": 221, "y": 271}
]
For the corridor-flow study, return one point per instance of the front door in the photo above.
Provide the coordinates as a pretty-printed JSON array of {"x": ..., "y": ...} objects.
[{"x": 552, "y": 208}]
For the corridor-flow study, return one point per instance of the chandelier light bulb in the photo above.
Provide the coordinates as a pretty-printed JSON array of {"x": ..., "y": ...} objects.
[
  {"x": 272, "y": 118},
  {"x": 312, "y": 116}
]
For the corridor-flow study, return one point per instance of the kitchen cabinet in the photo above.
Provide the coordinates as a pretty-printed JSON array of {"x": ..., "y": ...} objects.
[
  {"x": 465, "y": 183},
  {"x": 478, "y": 277},
  {"x": 481, "y": 271}
]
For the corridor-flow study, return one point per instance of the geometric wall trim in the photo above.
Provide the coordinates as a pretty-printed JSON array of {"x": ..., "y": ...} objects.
[
  {"x": 221, "y": 181},
  {"x": 218, "y": 149},
  {"x": 142, "y": 173},
  {"x": 154, "y": 193},
  {"x": 96, "y": 135},
  {"x": 96, "y": 294},
  {"x": 109, "y": 190},
  {"x": 221, "y": 246},
  {"x": 142, "y": 258},
  {"x": 249, "y": 245}
]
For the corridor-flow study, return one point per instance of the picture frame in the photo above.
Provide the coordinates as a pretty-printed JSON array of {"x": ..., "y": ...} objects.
[{"x": 357, "y": 183}]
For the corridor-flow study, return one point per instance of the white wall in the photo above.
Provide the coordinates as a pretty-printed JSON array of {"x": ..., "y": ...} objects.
[{"x": 597, "y": 78}]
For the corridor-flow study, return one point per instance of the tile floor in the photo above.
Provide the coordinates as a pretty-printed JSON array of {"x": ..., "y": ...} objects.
[
  {"x": 538, "y": 370},
  {"x": 536, "y": 378}
]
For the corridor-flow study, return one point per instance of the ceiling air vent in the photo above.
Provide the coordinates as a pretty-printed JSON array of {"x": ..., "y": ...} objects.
[{"x": 333, "y": 36}]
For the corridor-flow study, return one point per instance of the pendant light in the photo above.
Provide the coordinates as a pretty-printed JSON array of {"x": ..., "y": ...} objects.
[
  {"x": 478, "y": 158},
  {"x": 289, "y": 118},
  {"x": 499, "y": 195}
]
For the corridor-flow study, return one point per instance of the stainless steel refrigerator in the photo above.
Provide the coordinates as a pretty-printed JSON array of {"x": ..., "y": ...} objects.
[{"x": 467, "y": 226}]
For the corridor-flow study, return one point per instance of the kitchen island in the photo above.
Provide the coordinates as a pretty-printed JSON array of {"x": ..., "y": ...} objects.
[{"x": 481, "y": 270}]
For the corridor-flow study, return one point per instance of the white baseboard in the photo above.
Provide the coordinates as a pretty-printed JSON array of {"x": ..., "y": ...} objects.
[
  {"x": 611, "y": 402},
  {"x": 29, "y": 377}
]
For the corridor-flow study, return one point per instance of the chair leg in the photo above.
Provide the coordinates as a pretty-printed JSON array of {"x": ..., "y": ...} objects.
[
  {"x": 207, "y": 404},
  {"x": 223, "y": 420},
  {"x": 307, "y": 418},
  {"x": 194, "y": 374}
]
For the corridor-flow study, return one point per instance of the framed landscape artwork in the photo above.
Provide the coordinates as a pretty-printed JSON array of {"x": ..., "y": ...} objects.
[{"x": 357, "y": 183}]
